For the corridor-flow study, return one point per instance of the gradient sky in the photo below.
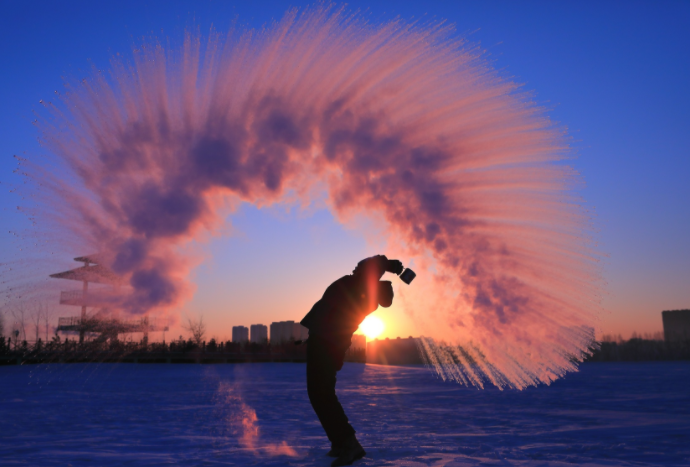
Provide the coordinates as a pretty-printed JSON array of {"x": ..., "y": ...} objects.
[{"x": 615, "y": 74}]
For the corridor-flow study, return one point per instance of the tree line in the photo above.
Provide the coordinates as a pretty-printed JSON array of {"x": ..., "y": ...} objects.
[
  {"x": 638, "y": 349},
  {"x": 178, "y": 351},
  {"x": 217, "y": 351}
]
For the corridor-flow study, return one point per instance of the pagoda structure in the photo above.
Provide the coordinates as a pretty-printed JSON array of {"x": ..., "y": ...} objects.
[{"x": 104, "y": 321}]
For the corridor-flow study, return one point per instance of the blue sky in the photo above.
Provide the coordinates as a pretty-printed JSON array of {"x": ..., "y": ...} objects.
[{"x": 615, "y": 74}]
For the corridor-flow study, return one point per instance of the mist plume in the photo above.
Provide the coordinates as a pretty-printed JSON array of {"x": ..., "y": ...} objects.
[
  {"x": 403, "y": 124},
  {"x": 239, "y": 421}
]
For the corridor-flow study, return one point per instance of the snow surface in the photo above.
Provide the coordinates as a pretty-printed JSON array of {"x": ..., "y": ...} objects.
[{"x": 258, "y": 414}]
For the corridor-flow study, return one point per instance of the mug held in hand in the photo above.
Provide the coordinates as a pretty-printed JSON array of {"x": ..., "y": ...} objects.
[{"x": 407, "y": 276}]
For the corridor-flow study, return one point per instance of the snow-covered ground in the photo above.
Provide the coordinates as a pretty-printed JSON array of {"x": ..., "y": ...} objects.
[{"x": 259, "y": 414}]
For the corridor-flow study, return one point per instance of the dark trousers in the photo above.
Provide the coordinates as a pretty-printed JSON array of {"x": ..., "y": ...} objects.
[{"x": 323, "y": 361}]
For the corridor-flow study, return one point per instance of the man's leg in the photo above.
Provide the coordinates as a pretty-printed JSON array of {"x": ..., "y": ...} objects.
[{"x": 321, "y": 379}]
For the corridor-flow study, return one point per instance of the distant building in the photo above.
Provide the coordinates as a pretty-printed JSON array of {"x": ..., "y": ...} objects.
[
  {"x": 276, "y": 333},
  {"x": 359, "y": 342},
  {"x": 240, "y": 334},
  {"x": 676, "y": 325},
  {"x": 258, "y": 334},
  {"x": 357, "y": 350},
  {"x": 394, "y": 351},
  {"x": 287, "y": 331},
  {"x": 300, "y": 332}
]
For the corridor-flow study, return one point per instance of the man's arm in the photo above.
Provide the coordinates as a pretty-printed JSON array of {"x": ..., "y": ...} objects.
[
  {"x": 381, "y": 264},
  {"x": 395, "y": 266}
]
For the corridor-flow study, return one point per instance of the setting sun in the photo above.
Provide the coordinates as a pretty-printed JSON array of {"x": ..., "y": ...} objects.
[{"x": 371, "y": 327}]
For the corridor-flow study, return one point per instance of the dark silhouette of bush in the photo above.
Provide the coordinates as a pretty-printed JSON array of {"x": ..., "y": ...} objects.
[{"x": 639, "y": 350}]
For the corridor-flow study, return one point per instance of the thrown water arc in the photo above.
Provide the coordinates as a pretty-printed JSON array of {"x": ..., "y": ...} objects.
[{"x": 372, "y": 115}]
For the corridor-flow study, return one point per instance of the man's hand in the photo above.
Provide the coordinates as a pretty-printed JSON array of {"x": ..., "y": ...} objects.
[{"x": 394, "y": 266}]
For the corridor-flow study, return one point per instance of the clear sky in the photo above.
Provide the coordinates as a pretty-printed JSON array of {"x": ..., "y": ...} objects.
[{"x": 615, "y": 74}]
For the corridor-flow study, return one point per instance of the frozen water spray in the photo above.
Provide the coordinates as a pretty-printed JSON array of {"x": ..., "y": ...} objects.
[
  {"x": 239, "y": 422},
  {"x": 400, "y": 123}
]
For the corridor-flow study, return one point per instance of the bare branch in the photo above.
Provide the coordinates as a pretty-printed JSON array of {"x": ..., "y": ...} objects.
[{"x": 196, "y": 328}]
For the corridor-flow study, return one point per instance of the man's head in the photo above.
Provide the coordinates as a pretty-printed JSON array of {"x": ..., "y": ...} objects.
[{"x": 385, "y": 293}]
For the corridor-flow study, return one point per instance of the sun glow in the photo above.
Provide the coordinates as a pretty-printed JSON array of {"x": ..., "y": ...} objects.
[{"x": 372, "y": 327}]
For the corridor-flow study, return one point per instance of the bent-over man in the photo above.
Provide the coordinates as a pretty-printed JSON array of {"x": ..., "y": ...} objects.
[{"x": 331, "y": 323}]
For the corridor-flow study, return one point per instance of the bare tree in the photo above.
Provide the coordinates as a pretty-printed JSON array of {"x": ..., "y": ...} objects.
[
  {"x": 2, "y": 323},
  {"x": 36, "y": 317},
  {"x": 196, "y": 328},
  {"x": 46, "y": 320},
  {"x": 19, "y": 315}
]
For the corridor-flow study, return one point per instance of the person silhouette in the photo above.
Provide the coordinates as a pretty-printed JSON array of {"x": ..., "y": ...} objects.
[{"x": 331, "y": 323}]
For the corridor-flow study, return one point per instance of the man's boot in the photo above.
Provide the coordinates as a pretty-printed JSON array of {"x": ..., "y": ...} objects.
[
  {"x": 350, "y": 452},
  {"x": 335, "y": 451}
]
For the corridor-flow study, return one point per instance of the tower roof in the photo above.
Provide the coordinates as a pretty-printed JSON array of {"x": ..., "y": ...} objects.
[
  {"x": 96, "y": 273},
  {"x": 94, "y": 259}
]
